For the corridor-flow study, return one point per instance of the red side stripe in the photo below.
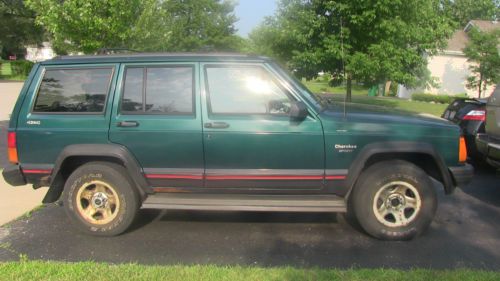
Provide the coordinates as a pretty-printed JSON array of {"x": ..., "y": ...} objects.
[
  {"x": 335, "y": 177},
  {"x": 164, "y": 176},
  {"x": 273, "y": 177},
  {"x": 34, "y": 171},
  {"x": 242, "y": 177}
]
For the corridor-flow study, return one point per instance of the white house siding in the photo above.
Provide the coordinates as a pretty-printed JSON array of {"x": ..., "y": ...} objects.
[{"x": 451, "y": 72}]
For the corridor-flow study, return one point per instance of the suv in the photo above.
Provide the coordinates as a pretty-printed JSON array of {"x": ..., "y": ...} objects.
[
  {"x": 489, "y": 142},
  {"x": 112, "y": 134}
]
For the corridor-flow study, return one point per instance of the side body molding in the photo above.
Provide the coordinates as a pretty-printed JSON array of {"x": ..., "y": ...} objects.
[
  {"x": 115, "y": 152},
  {"x": 399, "y": 147}
]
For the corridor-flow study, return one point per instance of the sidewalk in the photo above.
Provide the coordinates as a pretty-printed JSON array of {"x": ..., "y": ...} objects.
[{"x": 17, "y": 200}]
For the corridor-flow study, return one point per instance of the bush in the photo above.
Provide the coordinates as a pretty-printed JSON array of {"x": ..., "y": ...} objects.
[
  {"x": 435, "y": 98},
  {"x": 21, "y": 67}
]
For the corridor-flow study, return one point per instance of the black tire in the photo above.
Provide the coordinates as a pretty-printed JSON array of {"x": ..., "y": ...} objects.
[
  {"x": 387, "y": 181},
  {"x": 112, "y": 176}
]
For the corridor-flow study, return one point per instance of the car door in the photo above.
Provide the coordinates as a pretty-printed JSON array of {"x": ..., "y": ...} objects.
[
  {"x": 156, "y": 116},
  {"x": 250, "y": 142}
]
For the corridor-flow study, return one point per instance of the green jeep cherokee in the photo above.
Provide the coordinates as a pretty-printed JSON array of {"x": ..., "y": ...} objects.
[{"x": 112, "y": 134}]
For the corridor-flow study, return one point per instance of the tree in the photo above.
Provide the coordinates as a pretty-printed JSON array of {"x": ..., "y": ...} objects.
[
  {"x": 186, "y": 26},
  {"x": 370, "y": 41},
  {"x": 150, "y": 25},
  {"x": 483, "y": 53},
  {"x": 17, "y": 27},
  {"x": 86, "y": 25},
  {"x": 462, "y": 11}
]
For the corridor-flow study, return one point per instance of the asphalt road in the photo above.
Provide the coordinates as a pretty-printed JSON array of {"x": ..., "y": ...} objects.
[{"x": 465, "y": 233}]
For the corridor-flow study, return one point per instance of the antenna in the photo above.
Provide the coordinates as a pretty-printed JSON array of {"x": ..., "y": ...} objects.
[{"x": 343, "y": 63}]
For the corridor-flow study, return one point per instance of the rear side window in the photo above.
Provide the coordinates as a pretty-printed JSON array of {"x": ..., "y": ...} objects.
[
  {"x": 158, "y": 90},
  {"x": 495, "y": 97},
  {"x": 73, "y": 90}
]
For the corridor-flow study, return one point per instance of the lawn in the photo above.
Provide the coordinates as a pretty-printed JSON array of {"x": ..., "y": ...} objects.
[
  {"x": 360, "y": 96},
  {"x": 6, "y": 73},
  {"x": 39, "y": 270}
]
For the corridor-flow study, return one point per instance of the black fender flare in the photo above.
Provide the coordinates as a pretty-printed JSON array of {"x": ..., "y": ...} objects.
[
  {"x": 398, "y": 147},
  {"x": 115, "y": 151}
]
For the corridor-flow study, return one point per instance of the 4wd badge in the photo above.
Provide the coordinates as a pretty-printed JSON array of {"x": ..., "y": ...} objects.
[{"x": 343, "y": 148}]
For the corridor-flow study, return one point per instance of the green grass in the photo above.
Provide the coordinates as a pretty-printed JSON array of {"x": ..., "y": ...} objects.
[
  {"x": 360, "y": 96},
  {"x": 390, "y": 104},
  {"x": 6, "y": 73},
  {"x": 320, "y": 87},
  {"x": 38, "y": 270}
]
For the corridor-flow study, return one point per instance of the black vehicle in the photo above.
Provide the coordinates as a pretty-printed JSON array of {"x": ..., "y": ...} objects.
[
  {"x": 469, "y": 114},
  {"x": 488, "y": 143}
]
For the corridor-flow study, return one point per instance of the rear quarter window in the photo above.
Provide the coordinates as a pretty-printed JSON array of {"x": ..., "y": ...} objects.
[
  {"x": 73, "y": 90},
  {"x": 495, "y": 97}
]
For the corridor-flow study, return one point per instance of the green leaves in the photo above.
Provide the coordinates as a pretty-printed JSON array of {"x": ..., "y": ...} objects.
[
  {"x": 150, "y": 25},
  {"x": 482, "y": 51},
  {"x": 370, "y": 40}
]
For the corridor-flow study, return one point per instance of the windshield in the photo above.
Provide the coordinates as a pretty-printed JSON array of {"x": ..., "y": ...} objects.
[{"x": 311, "y": 98}]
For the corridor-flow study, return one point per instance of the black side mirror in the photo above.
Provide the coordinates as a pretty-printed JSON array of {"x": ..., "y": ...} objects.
[{"x": 298, "y": 111}]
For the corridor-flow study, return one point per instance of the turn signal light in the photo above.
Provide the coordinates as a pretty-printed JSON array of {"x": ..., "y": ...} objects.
[
  {"x": 462, "y": 151},
  {"x": 12, "y": 148}
]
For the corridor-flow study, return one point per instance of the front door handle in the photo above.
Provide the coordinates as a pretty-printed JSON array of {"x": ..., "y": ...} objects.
[
  {"x": 128, "y": 124},
  {"x": 216, "y": 125}
]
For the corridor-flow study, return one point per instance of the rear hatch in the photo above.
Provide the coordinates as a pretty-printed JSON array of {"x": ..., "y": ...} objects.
[
  {"x": 460, "y": 107},
  {"x": 493, "y": 115}
]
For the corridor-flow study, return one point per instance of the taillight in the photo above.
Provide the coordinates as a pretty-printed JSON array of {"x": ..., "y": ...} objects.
[
  {"x": 462, "y": 151},
  {"x": 476, "y": 115},
  {"x": 12, "y": 147}
]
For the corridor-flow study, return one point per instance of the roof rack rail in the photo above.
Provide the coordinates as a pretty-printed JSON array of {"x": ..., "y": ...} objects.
[{"x": 110, "y": 51}]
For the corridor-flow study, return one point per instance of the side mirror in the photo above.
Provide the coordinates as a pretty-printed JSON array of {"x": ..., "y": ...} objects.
[{"x": 298, "y": 111}]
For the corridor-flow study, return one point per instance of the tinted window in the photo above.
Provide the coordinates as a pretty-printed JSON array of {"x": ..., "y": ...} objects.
[
  {"x": 73, "y": 90},
  {"x": 166, "y": 90},
  {"x": 245, "y": 90}
]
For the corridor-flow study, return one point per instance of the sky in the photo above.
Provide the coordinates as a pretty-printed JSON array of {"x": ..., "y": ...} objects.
[{"x": 251, "y": 13}]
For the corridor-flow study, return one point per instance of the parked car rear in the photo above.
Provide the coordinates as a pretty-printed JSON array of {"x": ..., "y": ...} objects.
[
  {"x": 489, "y": 142},
  {"x": 469, "y": 114}
]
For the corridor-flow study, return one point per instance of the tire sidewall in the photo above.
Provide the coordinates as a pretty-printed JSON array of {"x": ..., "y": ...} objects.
[
  {"x": 115, "y": 178},
  {"x": 381, "y": 174}
]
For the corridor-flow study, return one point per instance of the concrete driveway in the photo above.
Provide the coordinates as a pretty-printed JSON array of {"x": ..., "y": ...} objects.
[{"x": 465, "y": 233}]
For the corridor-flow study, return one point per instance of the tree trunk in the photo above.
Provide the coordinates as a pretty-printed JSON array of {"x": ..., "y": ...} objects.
[
  {"x": 348, "y": 93},
  {"x": 387, "y": 88},
  {"x": 480, "y": 85}
]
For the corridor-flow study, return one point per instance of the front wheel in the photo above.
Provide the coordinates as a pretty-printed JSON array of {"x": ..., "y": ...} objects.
[
  {"x": 394, "y": 200},
  {"x": 100, "y": 199}
]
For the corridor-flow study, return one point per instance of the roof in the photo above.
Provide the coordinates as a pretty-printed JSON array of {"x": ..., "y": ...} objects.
[
  {"x": 155, "y": 57},
  {"x": 459, "y": 39}
]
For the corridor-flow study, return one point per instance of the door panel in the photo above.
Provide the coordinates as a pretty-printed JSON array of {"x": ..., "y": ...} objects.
[
  {"x": 156, "y": 115},
  {"x": 256, "y": 145}
]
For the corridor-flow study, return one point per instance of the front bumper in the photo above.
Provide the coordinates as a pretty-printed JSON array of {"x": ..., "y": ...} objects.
[
  {"x": 13, "y": 175},
  {"x": 462, "y": 175},
  {"x": 490, "y": 148}
]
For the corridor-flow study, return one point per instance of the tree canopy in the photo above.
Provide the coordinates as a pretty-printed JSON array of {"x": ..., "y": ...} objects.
[
  {"x": 462, "y": 11},
  {"x": 368, "y": 40},
  {"x": 150, "y": 25},
  {"x": 483, "y": 52},
  {"x": 17, "y": 27}
]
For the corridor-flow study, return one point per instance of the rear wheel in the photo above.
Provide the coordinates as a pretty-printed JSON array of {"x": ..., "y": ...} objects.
[
  {"x": 100, "y": 199},
  {"x": 394, "y": 200}
]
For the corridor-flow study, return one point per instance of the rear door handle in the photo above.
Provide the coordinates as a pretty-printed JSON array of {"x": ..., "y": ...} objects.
[
  {"x": 216, "y": 125},
  {"x": 128, "y": 124}
]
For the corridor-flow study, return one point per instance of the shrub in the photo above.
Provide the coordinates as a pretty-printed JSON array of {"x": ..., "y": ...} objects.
[
  {"x": 435, "y": 98},
  {"x": 21, "y": 67}
]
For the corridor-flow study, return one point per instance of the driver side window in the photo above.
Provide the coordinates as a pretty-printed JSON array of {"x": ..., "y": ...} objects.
[{"x": 244, "y": 90}]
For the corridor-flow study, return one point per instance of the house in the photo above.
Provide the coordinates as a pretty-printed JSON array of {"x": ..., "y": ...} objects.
[
  {"x": 40, "y": 53},
  {"x": 450, "y": 68}
]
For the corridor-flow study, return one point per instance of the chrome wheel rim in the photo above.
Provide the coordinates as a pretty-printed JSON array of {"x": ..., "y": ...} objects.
[
  {"x": 97, "y": 202},
  {"x": 397, "y": 204}
]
